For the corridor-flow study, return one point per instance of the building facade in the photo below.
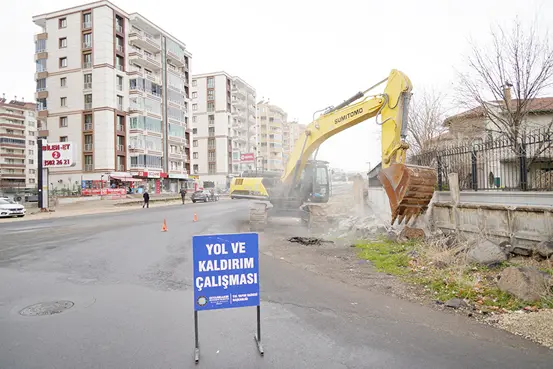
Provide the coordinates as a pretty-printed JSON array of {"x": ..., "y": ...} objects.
[
  {"x": 117, "y": 86},
  {"x": 223, "y": 125},
  {"x": 271, "y": 125},
  {"x": 18, "y": 145}
]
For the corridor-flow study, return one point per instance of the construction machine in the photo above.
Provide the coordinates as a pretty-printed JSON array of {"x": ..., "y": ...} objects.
[{"x": 305, "y": 183}]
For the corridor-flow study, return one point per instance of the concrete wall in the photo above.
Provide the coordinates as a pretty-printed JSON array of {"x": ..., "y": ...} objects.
[{"x": 518, "y": 217}]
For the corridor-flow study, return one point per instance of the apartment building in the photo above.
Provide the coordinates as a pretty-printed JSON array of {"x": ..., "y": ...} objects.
[
  {"x": 117, "y": 86},
  {"x": 18, "y": 146},
  {"x": 271, "y": 126},
  {"x": 223, "y": 125},
  {"x": 291, "y": 132}
]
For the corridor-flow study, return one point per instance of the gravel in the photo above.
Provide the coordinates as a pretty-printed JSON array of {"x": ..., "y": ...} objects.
[{"x": 535, "y": 326}]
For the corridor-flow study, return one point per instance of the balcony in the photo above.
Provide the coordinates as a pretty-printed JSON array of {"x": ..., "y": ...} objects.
[
  {"x": 87, "y": 45},
  {"x": 87, "y": 25},
  {"x": 88, "y": 106},
  {"x": 120, "y": 67},
  {"x": 119, "y": 28},
  {"x": 87, "y": 65},
  {"x": 12, "y": 155},
  {"x": 119, "y": 87},
  {"x": 175, "y": 59},
  {"x": 88, "y": 86},
  {"x": 88, "y": 147},
  {"x": 120, "y": 167},
  {"x": 153, "y": 77},
  {"x": 120, "y": 48},
  {"x": 89, "y": 167},
  {"x": 239, "y": 102},
  {"x": 147, "y": 61},
  {"x": 88, "y": 126},
  {"x": 119, "y": 107},
  {"x": 6, "y": 175},
  {"x": 121, "y": 148},
  {"x": 12, "y": 165},
  {"x": 144, "y": 40},
  {"x": 120, "y": 128}
]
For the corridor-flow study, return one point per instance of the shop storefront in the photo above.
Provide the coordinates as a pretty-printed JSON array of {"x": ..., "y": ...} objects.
[{"x": 153, "y": 181}]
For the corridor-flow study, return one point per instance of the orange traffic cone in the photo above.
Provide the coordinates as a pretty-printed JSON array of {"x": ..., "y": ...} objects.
[
  {"x": 164, "y": 226},
  {"x": 195, "y": 217}
]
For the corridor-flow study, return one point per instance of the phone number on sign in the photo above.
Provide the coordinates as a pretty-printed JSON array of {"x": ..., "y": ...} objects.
[{"x": 56, "y": 162}]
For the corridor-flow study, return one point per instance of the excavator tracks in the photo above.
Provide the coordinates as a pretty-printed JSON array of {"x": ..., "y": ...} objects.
[{"x": 409, "y": 188}]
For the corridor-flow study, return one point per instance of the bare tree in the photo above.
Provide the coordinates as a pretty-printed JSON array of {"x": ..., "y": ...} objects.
[
  {"x": 426, "y": 117},
  {"x": 504, "y": 78}
]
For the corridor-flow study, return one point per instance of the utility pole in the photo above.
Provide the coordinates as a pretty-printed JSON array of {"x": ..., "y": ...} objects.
[{"x": 42, "y": 178}]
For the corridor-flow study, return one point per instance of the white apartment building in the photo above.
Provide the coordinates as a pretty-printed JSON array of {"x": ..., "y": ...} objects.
[
  {"x": 291, "y": 132},
  {"x": 18, "y": 145},
  {"x": 223, "y": 125},
  {"x": 117, "y": 86},
  {"x": 271, "y": 123}
]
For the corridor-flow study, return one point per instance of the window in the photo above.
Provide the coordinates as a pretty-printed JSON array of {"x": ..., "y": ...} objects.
[
  {"x": 63, "y": 62},
  {"x": 63, "y": 122},
  {"x": 119, "y": 43},
  {"x": 88, "y": 81},
  {"x": 211, "y": 120},
  {"x": 194, "y": 131},
  {"x": 40, "y": 46},
  {"x": 195, "y": 143},
  {"x": 211, "y": 131},
  {"x": 88, "y": 101},
  {"x": 63, "y": 101},
  {"x": 194, "y": 83},
  {"x": 195, "y": 155},
  {"x": 41, "y": 84},
  {"x": 32, "y": 143},
  {"x": 31, "y": 161},
  {"x": 211, "y": 94},
  {"x": 87, "y": 40},
  {"x": 31, "y": 133},
  {"x": 87, "y": 20},
  {"x": 210, "y": 106},
  {"x": 31, "y": 123},
  {"x": 210, "y": 82},
  {"x": 31, "y": 152},
  {"x": 194, "y": 119},
  {"x": 194, "y": 107},
  {"x": 119, "y": 102},
  {"x": 63, "y": 82},
  {"x": 212, "y": 168},
  {"x": 119, "y": 83},
  {"x": 32, "y": 171},
  {"x": 63, "y": 42},
  {"x": 62, "y": 22},
  {"x": 63, "y": 138},
  {"x": 87, "y": 60},
  {"x": 194, "y": 95},
  {"x": 119, "y": 63}
]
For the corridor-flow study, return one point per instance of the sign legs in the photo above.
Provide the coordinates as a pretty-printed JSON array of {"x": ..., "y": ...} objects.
[
  {"x": 257, "y": 337},
  {"x": 196, "y": 339}
]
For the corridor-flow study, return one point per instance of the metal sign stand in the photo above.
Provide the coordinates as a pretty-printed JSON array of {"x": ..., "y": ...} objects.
[{"x": 257, "y": 336}]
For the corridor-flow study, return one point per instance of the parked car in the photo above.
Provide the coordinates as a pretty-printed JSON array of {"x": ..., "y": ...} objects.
[
  {"x": 200, "y": 196},
  {"x": 9, "y": 208}
]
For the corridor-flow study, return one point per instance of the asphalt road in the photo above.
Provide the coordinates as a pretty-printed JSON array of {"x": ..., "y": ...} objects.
[{"x": 133, "y": 307}]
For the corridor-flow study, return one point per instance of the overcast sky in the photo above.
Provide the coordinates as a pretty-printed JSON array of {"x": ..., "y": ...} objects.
[{"x": 303, "y": 55}]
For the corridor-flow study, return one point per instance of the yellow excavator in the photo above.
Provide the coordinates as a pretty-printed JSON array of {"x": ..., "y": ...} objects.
[{"x": 305, "y": 183}]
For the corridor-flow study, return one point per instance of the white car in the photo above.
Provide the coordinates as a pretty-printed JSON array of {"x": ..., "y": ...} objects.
[{"x": 9, "y": 208}]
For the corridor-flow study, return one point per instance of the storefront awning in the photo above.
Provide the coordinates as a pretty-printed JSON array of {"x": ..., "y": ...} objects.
[{"x": 126, "y": 179}]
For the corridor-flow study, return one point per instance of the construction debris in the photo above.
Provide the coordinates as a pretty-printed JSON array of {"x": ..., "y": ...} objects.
[{"x": 308, "y": 240}]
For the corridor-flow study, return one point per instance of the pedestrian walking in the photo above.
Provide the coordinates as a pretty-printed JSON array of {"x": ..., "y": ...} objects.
[
  {"x": 182, "y": 194},
  {"x": 146, "y": 197}
]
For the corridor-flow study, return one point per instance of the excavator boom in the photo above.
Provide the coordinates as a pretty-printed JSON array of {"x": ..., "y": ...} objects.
[{"x": 409, "y": 188}]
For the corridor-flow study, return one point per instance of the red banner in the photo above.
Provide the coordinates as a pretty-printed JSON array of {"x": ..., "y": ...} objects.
[
  {"x": 158, "y": 186},
  {"x": 103, "y": 191},
  {"x": 247, "y": 158}
]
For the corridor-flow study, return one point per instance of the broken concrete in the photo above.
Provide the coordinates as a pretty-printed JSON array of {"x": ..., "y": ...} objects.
[
  {"x": 544, "y": 249},
  {"x": 456, "y": 303},
  {"x": 525, "y": 283},
  {"x": 486, "y": 253}
]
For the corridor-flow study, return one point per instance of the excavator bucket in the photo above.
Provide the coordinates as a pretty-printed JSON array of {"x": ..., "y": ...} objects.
[{"x": 409, "y": 188}]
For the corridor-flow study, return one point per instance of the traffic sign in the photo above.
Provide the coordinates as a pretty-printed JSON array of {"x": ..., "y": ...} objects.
[{"x": 226, "y": 271}]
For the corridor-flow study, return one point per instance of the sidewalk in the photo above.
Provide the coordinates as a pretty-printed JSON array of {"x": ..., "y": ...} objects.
[{"x": 92, "y": 207}]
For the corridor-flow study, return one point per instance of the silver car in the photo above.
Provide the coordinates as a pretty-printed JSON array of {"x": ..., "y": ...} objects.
[{"x": 9, "y": 208}]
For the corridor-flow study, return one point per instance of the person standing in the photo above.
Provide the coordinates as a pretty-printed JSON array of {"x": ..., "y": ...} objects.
[
  {"x": 182, "y": 194},
  {"x": 146, "y": 197}
]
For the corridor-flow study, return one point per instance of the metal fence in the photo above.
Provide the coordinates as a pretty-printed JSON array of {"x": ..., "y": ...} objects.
[{"x": 500, "y": 164}]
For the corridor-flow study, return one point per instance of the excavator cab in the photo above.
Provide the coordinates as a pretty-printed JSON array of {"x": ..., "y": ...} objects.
[{"x": 315, "y": 182}]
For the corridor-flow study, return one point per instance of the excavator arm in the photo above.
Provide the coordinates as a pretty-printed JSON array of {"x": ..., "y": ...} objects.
[{"x": 409, "y": 188}]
